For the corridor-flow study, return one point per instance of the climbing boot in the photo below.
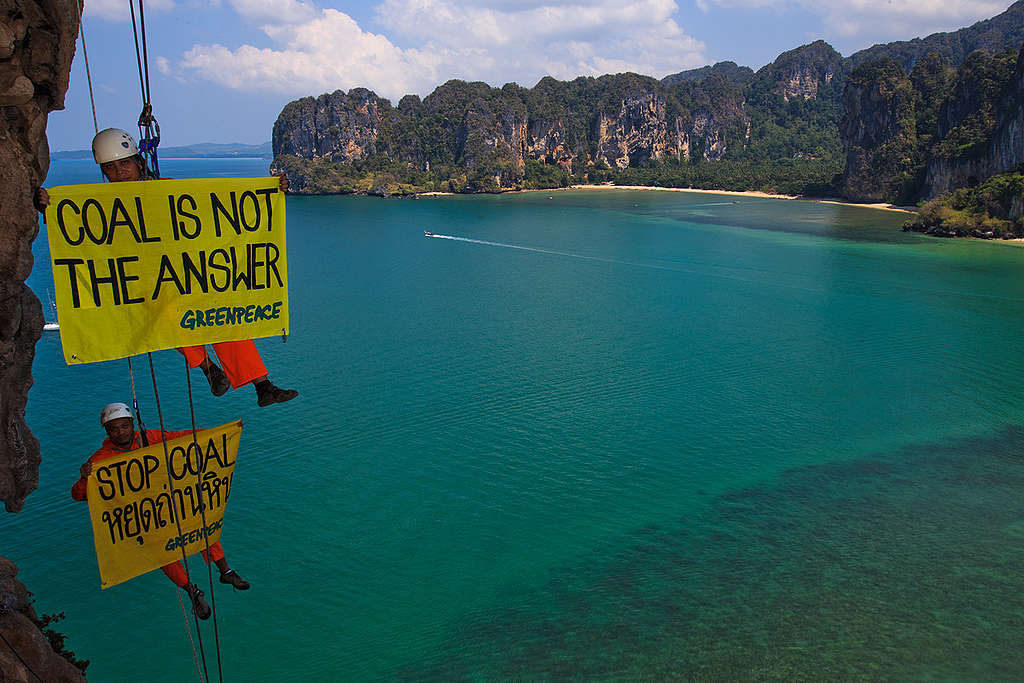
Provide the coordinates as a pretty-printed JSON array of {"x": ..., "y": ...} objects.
[
  {"x": 219, "y": 383},
  {"x": 236, "y": 581},
  {"x": 267, "y": 394},
  {"x": 199, "y": 605}
]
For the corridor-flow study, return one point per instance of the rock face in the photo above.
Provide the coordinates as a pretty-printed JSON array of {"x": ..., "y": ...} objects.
[
  {"x": 489, "y": 134},
  {"x": 996, "y": 110},
  {"x": 915, "y": 137},
  {"x": 35, "y": 658},
  {"x": 37, "y": 44},
  {"x": 877, "y": 129}
]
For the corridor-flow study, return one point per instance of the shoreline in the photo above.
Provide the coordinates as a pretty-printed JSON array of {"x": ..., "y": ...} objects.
[{"x": 882, "y": 206}]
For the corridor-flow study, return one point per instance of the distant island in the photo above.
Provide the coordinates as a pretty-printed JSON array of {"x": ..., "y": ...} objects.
[
  {"x": 904, "y": 122},
  {"x": 203, "y": 150}
]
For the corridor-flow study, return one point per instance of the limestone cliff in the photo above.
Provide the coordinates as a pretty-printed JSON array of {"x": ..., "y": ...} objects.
[
  {"x": 490, "y": 139},
  {"x": 878, "y": 130},
  {"x": 37, "y": 44},
  {"x": 979, "y": 126},
  {"x": 940, "y": 128}
]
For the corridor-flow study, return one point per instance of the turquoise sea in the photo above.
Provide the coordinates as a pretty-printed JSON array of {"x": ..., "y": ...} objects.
[{"x": 602, "y": 435}]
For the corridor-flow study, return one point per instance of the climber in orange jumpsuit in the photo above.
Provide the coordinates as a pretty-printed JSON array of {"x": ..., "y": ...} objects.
[
  {"x": 116, "y": 419},
  {"x": 118, "y": 156}
]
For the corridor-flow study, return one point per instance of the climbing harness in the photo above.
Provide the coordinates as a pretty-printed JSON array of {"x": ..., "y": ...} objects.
[{"x": 149, "y": 129}]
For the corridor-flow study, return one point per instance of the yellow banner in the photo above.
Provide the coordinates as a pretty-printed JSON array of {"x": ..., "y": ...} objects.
[
  {"x": 136, "y": 511},
  {"x": 148, "y": 265}
]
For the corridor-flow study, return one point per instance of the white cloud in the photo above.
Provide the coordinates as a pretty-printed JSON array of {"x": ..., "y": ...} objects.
[
  {"x": 321, "y": 55},
  {"x": 884, "y": 19},
  {"x": 117, "y": 10},
  {"x": 491, "y": 40}
]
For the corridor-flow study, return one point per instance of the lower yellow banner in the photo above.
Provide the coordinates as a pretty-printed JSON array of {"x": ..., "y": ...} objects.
[{"x": 144, "y": 514}]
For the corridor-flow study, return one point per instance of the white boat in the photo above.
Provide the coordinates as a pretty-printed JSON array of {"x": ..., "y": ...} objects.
[{"x": 47, "y": 325}]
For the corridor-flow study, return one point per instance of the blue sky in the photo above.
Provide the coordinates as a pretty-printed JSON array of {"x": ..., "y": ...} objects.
[{"x": 221, "y": 70}]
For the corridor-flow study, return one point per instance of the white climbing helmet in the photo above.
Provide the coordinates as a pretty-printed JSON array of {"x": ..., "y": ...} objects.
[
  {"x": 113, "y": 411},
  {"x": 113, "y": 144}
]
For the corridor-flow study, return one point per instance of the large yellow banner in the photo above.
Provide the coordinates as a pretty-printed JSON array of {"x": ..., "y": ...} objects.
[
  {"x": 144, "y": 514},
  {"x": 142, "y": 266}
]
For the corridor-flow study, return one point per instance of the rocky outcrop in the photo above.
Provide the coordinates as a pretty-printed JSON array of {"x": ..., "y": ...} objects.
[
  {"x": 980, "y": 127},
  {"x": 637, "y": 134},
  {"x": 27, "y": 655},
  {"x": 878, "y": 131},
  {"x": 487, "y": 135},
  {"x": 339, "y": 126},
  {"x": 37, "y": 43},
  {"x": 800, "y": 73}
]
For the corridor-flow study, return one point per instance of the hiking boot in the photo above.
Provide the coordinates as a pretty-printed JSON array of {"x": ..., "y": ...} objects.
[
  {"x": 219, "y": 383},
  {"x": 267, "y": 394},
  {"x": 236, "y": 581},
  {"x": 199, "y": 605}
]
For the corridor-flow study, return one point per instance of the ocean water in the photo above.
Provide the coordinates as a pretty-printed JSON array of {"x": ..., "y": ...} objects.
[{"x": 612, "y": 435}]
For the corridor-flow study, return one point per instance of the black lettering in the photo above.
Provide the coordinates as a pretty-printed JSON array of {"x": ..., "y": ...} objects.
[
  {"x": 85, "y": 221},
  {"x": 194, "y": 270},
  {"x": 255, "y": 262},
  {"x": 166, "y": 274},
  {"x": 72, "y": 264},
  {"x": 106, "y": 487},
  {"x": 152, "y": 464},
  {"x": 60, "y": 222},
  {"x": 272, "y": 264},
  {"x": 110, "y": 279},
  {"x": 243, "y": 214},
  {"x": 236, "y": 275},
  {"x": 187, "y": 213},
  {"x": 135, "y": 475},
  {"x": 220, "y": 267},
  {"x": 218, "y": 209},
  {"x": 142, "y": 222},
  {"x": 119, "y": 217},
  {"x": 117, "y": 467},
  {"x": 125, "y": 279},
  {"x": 270, "y": 211}
]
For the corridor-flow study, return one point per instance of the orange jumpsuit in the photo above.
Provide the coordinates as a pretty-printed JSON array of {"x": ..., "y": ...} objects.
[
  {"x": 176, "y": 570},
  {"x": 240, "y": 360}
]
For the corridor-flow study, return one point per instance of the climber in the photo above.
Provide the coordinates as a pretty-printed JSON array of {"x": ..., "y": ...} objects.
[
  {"x": 116, "y": 419},
  {"x": 118, "y": 155}
]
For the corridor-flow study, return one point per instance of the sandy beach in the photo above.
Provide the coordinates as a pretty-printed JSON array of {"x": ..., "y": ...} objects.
[{"x": 748, "y": 193}]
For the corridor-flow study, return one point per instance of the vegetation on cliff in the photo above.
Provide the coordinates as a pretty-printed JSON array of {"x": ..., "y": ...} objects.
[
  {"x": 989, "y": 210},
  {"x": 899, "y": 123}
]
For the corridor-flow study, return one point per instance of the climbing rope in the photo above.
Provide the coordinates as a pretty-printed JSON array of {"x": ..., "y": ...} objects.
[
  {"x": 88, "y": 74},
  {"x": 188, "y": 630},
  {"x": 149, "y": 129},
  {"x": 177, "y": 517},
  {"x": 202, "y": 512},
  {"x": 135, "y": 404}
]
